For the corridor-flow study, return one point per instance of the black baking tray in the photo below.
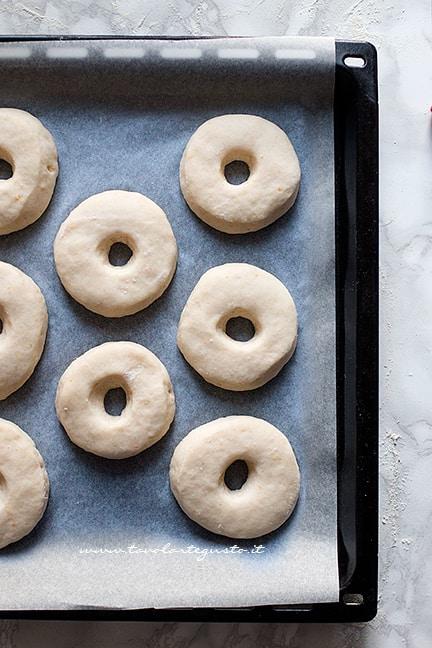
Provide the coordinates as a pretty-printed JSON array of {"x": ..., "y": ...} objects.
[{"x": 356, "y": 222}]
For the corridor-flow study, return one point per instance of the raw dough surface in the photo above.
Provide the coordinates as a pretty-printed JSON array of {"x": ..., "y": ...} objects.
[
  {"x": 24, "y": 484},
  {"x": 150, "y": 403},
  {"x": 85, "y": 238},
  {"x": 238, "y": 290},
  {"x": 269, "y": 191},
  {"x": 24, "y": 318},
  {"x": 266, "y": 499},
  {"x": 31, "y": 151}
]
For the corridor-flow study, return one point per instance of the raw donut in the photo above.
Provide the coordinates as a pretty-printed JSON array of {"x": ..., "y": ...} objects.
[
  {"x": 238, "y": 290},
  {"x": 150, "y": 403},
  {"x": 266, "y": 499},
  {"x": 24, "y": 484},
  {"x": 83, "y": 243},
  {"x": 31, "y": 151},
  {"x": 270, "y": 189},
  {"x": 24, "y": 321}
]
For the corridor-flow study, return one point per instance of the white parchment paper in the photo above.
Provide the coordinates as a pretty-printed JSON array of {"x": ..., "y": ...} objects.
[{"x": 121, "y": 113}]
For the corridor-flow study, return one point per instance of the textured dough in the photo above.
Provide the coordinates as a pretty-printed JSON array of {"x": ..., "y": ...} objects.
[
  {"x": 24, "y": 318},
  {"x": 31, "y": 151},
  {"x": 269, "y": 191},
  {"x": 238, "y": 290},
  {"x": 266, "y": 499},
  {"x": 24, "y": 484},
  {"x": 150, "y": 403},
  {"x": 83, "y": 243}
]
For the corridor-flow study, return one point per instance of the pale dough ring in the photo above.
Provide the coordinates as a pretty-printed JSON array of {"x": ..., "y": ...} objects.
[
  {"x": 82, "y": 246},
  {"x": 24, "y": 322},
  {"x": 269, "y": 191},
  {"x": 238, "y": 290},
  {"x": 150, "y": 403},
  {"x": 266, "y": 499},
  {"x": 31, "y": 151},
  {"x": 24, "y": 485}
]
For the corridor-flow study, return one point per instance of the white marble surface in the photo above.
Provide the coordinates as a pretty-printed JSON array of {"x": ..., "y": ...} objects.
[{"x": 402, "y": 32}]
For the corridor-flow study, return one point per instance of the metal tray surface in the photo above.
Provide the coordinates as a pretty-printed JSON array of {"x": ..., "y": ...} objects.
[{"x": 356, "y": 192}]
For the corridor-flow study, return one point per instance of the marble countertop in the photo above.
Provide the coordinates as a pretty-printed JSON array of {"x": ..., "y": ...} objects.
[{"x": 402, "y": 34}]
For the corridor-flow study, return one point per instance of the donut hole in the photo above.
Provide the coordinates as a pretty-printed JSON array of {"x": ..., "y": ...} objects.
[
  {"x": 6, "y": 170},
  {"x": 1, "y": 326},
  {"x": 240, "y": 329},
  {"x": 119, "y": 254},
  {"x": 115, "y": 400},
  {"x": 3, "y": 488},
  {"x": 236, "y": 172},
  {"x": 236, "y": 474}
]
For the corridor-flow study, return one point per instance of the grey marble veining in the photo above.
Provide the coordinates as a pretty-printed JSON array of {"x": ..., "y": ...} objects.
[{"x": 402, "y": 33}]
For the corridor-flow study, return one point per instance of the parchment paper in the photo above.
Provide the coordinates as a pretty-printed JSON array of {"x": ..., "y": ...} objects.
[{"x": 121, "y": 113}]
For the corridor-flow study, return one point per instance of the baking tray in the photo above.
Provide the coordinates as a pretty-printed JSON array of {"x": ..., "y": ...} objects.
[{"x": 356, "y": 188}]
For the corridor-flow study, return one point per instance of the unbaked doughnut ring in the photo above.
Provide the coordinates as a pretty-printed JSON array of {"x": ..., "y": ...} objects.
[
  {"x": 266, "y": 499},
  {"x": 238, "y": 290},
  {"x": 23, "y": 325},
  {"x": 150, "y": 403},
  {"x": 85, "y": 238},
  {"x": 24, "y": 484},
  {"x": 270, "y": 189},
  {"x": 31, "y": 151}
]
